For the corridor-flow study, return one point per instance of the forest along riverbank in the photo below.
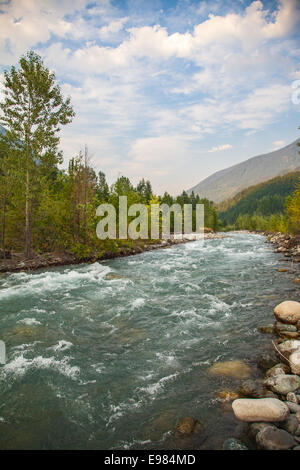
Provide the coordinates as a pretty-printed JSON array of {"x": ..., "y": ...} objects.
[
  {"x": 143, "y": 352},
  {"x": 15, "y": 262}
]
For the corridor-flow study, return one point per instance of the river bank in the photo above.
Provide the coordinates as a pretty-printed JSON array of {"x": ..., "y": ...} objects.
[
  {"x": 271, "y": 404},
  {"x": 17, "y": 262}
]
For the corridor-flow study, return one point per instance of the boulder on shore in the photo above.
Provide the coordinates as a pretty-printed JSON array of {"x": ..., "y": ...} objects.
[
  {"x": 278, "y": 369},
  {"x": 295, "y": 362},
  {"x": 288, "y": 312},
  {"x": 271, "y": 438},
  {"x": 288, "y": 347},
  {"x": 260, "y": 409},
  {"x": 283, "y": 384}
]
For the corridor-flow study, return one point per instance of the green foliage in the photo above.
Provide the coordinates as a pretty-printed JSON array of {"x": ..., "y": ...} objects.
[
  {"x": 33, "y": 110},
  {"x": 43, "y": 208},
  {"x": 265, "y": 199},
  {"x": 293, "y": 211}
]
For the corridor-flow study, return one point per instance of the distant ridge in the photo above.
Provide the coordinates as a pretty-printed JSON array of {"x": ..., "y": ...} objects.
[
  {"x": 226, "y": 183},
  {"x": 263, "y": 199}
]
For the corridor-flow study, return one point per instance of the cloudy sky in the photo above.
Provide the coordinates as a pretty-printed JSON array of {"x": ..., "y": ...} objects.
[{"x": 164, "y": 89}]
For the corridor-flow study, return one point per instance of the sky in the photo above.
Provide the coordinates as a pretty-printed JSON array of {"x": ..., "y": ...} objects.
[{"x": 163, "y": 89}]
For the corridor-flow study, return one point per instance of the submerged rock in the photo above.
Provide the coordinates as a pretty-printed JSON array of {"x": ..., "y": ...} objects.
[
  {"x": 288, "y": 312},
  {"x": 228, "y": 395},
  {"x": 234, "y": 368},
  {"x": 267, "y": 360},
  {"x": 283, "y": 384},
  {"x": 234, "y": 444},
  {"x": 271, "y": 438},
  {"x": 261, "y": 409},
  {"x": 187, "y": 426},
  {"x": 251, "y": 388},
  {"x": 266, "y": 329}
]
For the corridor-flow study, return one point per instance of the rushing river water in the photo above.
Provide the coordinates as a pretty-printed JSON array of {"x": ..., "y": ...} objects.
[{"x": 110, "y": 355}]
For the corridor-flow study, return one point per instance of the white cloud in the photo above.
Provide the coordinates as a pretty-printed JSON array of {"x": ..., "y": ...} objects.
[
  {"x": 278, "y": 144},
  {"x": 113, "y": 27},
  {"x": 150, "y": 97},
  {"x": 219, "y": 148}
]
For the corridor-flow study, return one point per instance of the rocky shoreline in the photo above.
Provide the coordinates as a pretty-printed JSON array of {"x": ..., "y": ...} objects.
[
  {"x": 17, "y": 262},
  {"x": 272, "y": 406},
  {"x": 266, "y": 402}
]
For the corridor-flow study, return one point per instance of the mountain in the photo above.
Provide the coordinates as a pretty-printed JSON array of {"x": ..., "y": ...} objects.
[
  {"x": 264, "y": 199},
  {"x": 226, "y": 183}
]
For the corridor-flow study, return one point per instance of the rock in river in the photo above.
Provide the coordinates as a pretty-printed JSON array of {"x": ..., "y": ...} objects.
[
  {"x": 267, "y": 360},
  {"x": 251, "y": 389},
  {"x": 266, "y": 329},
  {"x": 188, "y": 426},
  {"x": 283, "y": 384},
  {"x": 261, "y": 409},
  {"x": 236, "y": 369},
  {"x": 288, "y": 312},
  {"x": 271, "y": 438},
  {"x": 233, "y": 444}
]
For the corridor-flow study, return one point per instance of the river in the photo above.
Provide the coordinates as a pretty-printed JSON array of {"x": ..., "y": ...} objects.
[{"x": 111, "y": 355}]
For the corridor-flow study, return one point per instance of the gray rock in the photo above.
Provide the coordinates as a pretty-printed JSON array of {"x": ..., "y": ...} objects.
[
  {"x": 267, "y": 360},
  {"x": 260, "y": 410},
  {"x": 267, "y": 329},
  {"x": 283, "y": 327},
  {"x": 255, "y": 428},
  {"x": 295, "y": 362},
  {"x": 292, "y": 397},
  {"x": 283, "y": 384},
  {"x": 288, "y": 347},
  {"x": 234, "y": 444},
  {"x": 293, "y": 407},
  {"x": 271, "y": 438},
  {"x": 251, "y": 389},
  {"x": 290, "y": 424},
  {"x": 278, "y": 369}
]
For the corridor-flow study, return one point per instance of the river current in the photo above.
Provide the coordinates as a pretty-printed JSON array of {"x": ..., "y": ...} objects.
[{"x": 111, "y": 355}]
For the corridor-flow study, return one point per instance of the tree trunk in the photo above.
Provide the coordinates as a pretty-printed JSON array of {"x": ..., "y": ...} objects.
[
  {"x": 4, "y": 223},
  {"x": 28, "y": 218}
]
